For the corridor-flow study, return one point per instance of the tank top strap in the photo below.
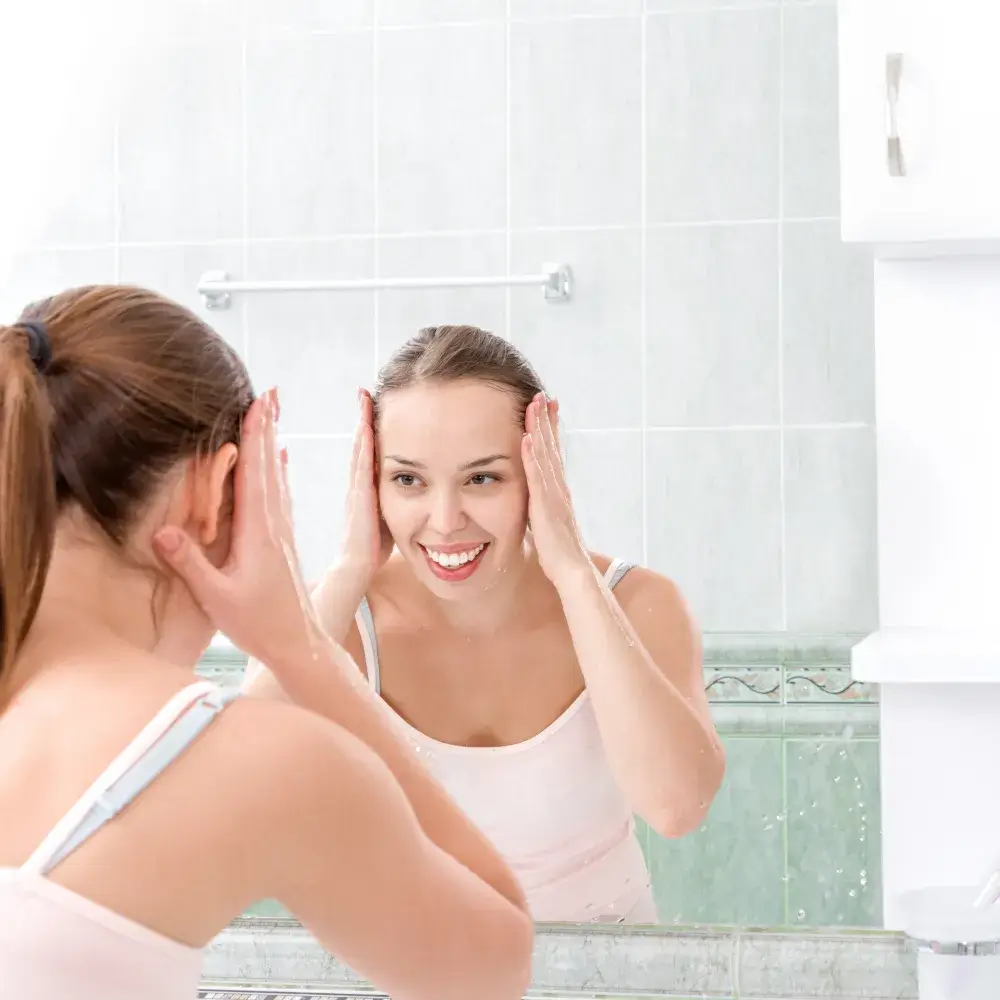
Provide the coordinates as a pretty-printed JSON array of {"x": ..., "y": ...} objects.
[
  {"x": 161, "y": 741},
  {"x": 615, "y": 573},
  {"x": 369, "y": 643}
]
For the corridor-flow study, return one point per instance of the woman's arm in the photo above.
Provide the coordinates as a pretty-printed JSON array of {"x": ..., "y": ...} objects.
[
  {"x": 343, "y": 850},
  {"x": 641, "y": 661},
  {"x": 326, "y": 680}
]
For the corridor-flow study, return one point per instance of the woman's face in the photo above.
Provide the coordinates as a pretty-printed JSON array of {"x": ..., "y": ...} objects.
[{"x": 451, "y": 482}]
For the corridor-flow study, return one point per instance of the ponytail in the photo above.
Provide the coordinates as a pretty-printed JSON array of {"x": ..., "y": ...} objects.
[{"x": 27, "y": 494}]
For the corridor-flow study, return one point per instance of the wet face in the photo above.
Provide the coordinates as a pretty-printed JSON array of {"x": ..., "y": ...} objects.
[{"x": 451, "y": 483}]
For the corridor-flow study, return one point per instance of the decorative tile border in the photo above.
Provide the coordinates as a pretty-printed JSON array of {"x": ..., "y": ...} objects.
[{"x": 275, "y": 957}]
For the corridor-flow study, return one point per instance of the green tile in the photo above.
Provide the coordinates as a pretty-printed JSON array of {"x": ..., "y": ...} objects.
[
  {"x": 834, "y": 826},
  {"x": 267, "y": 908},
  {"x": 730, "y": 871}
]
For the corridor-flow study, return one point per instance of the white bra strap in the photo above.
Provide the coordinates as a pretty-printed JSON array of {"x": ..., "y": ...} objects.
[
  {"x": 162, "y": 721},
  {"x": 366, "y": 626},
  {"x": 615, "y": 572}
]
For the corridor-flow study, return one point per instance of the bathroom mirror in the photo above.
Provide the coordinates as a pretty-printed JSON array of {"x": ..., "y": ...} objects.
[{"x": 713, "y": 362}]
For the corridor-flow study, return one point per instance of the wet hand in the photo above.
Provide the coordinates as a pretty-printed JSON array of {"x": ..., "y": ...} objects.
[
  {"x": 561, "y": 551},
  {"x": 367, "y": 543},
  {"x": 258, "y": 597}
]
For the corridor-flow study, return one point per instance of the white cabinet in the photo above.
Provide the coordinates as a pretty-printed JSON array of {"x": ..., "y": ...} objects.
[{"x": 945, "y": 112}]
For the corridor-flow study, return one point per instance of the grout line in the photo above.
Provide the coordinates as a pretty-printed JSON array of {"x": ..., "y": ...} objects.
[
  {"x": 581, "y": 431},
  {"x": 376, "y": 257},
  {"x": 116, "y": 186},
  {"x": 245, "y": 174},
  {"x": 781, "y": 323},
  {"x": 785, "y": 877},
  {"x": 508, "y": 242},
  {"x": 230, "y": 241},
  {"x": 643, "y": 262}
]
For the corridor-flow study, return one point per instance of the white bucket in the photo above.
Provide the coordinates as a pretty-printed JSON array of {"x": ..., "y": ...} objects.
[{"x": 958, "y": 944}]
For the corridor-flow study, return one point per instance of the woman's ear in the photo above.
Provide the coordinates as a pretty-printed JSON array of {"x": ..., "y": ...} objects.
[{"x": 213, "y": 495}]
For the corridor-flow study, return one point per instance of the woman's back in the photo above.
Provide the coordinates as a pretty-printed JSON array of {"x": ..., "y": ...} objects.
[
  {"x": 60, "y": 941},
  {"x": 137, "y": 518}
]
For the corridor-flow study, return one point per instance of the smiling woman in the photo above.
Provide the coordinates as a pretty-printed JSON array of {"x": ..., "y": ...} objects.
[{"x": 554, "y": 692}]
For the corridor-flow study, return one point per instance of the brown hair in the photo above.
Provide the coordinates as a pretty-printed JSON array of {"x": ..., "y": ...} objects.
[
  {"x": 449, "y": 353},
  {"x": 134, "y": 384}
]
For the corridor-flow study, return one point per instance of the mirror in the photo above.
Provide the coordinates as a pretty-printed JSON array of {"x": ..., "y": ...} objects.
[{"x": 713, "y": 363}]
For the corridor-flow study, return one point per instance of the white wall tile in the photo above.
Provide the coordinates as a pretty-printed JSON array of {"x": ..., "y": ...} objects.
[
  {"x": 576, "y": 95},
  {"x": 713, "y": 504},
  {"x": 441, "y": 133},
  {"x": 317, "y": 481},
  {"x": 180, "y": 147},
  {"x": 401, "y": 313},
  {"x": 831, "y": 559},
  {"x": 267, "y": 19},
  {"x": 828, "y": 326},
  {"x": 318, "y": 348},
  {"x": 27, "y": 277},
  {"x": 811, "y": 165},
  {"x": 310, "y": 136},
  {"x": 529, "y": 10},
  {"x": 712, "y": 118},
  {"x": 712, "y": 346},
  {"x": 604, "y": 471},
  {"x": 395, "y": 13},
  {"x": 588, "y": 350}
]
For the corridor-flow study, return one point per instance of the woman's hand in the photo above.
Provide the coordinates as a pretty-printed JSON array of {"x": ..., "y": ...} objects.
[
  {"x": 561, "y": 552},
  {"x": 257, "y": 598},
  {"x": 367, "y": 543}
]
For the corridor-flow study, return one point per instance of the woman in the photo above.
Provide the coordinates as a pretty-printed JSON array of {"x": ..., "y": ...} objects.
[
  {"x": 553, "y": 691},
  {"x": 142, "y": 508}
]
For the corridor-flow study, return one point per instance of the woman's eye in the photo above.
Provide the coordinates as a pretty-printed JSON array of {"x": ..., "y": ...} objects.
[
  {"x": 482, "y": 479},
  {"x": 405, "y": 479}
]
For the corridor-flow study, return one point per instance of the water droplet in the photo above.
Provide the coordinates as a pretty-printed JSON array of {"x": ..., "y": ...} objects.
[
  {"x": 836, "y": 779},
  {"x": 861, "y": 840},
  {"x": 852, "y": 893},
  {"x": 780, "y": 817},
  {"x": 864, "y": 874},
  {"x": 801, "y": 914},
  {"x": 814, "y": 805},
  {"x": 784, "y": 878},
  {"x": 840, "y": 871}
]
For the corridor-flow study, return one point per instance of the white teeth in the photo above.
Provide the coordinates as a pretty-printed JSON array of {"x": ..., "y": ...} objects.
[{"x": 452, "y": 560}]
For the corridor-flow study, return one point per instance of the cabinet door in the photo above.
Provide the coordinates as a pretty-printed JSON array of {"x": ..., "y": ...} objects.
[{"x": 944, "y": 107}]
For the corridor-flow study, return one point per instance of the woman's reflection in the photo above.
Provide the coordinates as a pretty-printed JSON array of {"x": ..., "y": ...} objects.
[{"x": 553, "y": 691}]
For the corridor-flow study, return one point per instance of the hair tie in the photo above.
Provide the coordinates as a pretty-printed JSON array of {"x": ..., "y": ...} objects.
[{"x": 39, "y": 344}]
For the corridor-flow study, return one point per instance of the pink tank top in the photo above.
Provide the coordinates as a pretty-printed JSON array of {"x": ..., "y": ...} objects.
[
  {"x": 550, "y": 805},
  {"x": 57, "y": 944}
]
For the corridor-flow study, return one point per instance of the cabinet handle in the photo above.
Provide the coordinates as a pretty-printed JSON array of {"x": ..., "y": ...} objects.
[{"x": 894, "y": 149}]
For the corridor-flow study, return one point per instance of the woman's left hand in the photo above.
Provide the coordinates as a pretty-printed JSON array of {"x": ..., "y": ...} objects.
[{"x": 561, "y": 552}]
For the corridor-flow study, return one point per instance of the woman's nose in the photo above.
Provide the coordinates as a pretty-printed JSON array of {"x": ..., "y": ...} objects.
[{"x": 446, "y": 515}]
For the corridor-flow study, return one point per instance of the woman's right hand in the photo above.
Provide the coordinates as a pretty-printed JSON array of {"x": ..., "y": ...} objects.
[
  {"x": 367, "y": 543},
  {"x": 258, "y": 597}
]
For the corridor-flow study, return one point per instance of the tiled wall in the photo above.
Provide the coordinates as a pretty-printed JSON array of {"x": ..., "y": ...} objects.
[{"x": 715, "y": 367}]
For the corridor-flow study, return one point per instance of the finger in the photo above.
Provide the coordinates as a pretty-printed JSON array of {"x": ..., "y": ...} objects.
[
  {"x": 364, "y": 473},
  {"x": 532, "y": 470},
  {"x": 541, "y": 438},
  {"x": 178, "y": 550},
  {"x": 248, "y": 503}
]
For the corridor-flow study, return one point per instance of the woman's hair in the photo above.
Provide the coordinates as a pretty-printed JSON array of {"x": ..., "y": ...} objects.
[
  {"x": 127, "y": 385},
  {"x": 450, "y": 353}
]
